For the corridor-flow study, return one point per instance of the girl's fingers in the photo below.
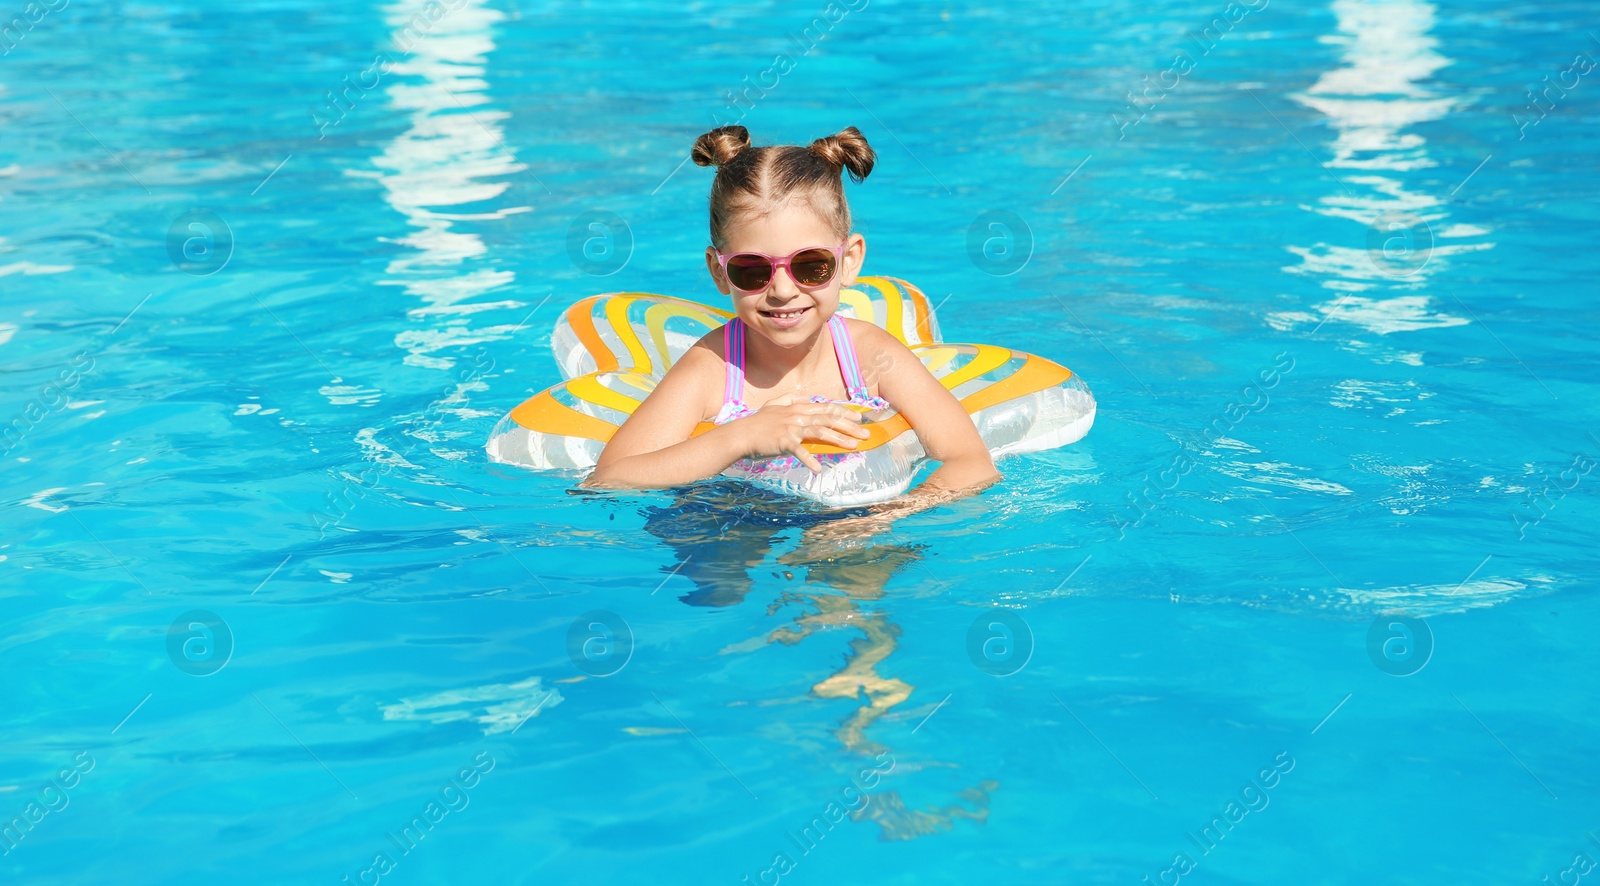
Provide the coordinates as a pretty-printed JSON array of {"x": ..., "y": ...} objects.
[
  {"x": 834, "y": 410},
  {"x": 852, "y": 429},
  {"x": 807, "y": 459},
  {"x": 825, "y": 435},
  {"x": 829, "y": 436},
  {"x": 843, "y": 426}
]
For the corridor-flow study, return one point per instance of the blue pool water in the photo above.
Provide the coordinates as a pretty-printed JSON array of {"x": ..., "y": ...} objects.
[{"x": 264, "y": 599}]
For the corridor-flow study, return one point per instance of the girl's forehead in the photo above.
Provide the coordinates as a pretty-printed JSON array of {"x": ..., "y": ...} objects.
[{"x": 779, "y": 229}]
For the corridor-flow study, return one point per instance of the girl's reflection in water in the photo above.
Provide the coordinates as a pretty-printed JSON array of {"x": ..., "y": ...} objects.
[{"x": 722, "y": 530}]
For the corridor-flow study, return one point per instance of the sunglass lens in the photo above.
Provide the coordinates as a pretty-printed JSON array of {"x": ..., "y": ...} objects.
[
  {"x": 749, "y": 272},
  {"x": 814, "y": 267}
]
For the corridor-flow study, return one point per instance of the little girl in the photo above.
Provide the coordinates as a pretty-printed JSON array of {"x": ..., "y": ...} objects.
[{"x": 770, "y": 379}]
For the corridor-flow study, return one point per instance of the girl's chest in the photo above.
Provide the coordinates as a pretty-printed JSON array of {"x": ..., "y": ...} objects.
[{"x": 757, "y": 394}]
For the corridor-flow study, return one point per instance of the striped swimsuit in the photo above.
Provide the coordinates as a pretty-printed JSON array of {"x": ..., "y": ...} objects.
[{"x": 734, "y": 408}]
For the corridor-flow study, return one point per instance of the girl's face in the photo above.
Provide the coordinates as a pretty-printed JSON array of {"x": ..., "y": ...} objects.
[{"x": 783, "y": 312}]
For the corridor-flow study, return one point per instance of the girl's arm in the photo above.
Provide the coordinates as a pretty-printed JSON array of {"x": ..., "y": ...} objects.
[
  {"x": 942, "y": 424},
  {"x": 653, "y": 449}
]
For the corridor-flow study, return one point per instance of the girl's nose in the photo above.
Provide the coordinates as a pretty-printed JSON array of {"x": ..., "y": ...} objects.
[{"x": 783, "y": 284}]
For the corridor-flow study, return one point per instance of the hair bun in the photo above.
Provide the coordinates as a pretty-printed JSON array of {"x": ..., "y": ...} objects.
[
  {"x": 719, "y": 146},
  {"x": 846, "y": 149}
]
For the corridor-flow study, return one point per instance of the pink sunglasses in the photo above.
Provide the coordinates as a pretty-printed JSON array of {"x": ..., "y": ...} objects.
[{"x": 812, "y": 267}]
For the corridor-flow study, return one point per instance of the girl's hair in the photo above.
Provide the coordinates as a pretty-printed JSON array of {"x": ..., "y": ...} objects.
[{"x": 756, "y": 179}]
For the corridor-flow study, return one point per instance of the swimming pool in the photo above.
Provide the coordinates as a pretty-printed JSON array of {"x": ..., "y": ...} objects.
[{"x": 1311, "y": 603}]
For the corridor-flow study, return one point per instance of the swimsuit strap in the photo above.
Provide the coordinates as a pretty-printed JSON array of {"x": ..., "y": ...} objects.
[
  {"x": 845, "y": 350},
  {"x": 733, "y": 348}
]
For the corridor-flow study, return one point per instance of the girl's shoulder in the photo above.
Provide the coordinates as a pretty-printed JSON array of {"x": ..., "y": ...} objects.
[
  {"x": 702, "y": 367},
  {"x": 699, "y": 366},
  {"x": 711, "y": 344}
]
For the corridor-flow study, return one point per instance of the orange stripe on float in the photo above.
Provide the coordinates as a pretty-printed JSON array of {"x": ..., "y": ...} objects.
[
  {"x": 545, "y": 414},
  {"x": 581, "y": 318},
  {"x": 919, "y": 303}
]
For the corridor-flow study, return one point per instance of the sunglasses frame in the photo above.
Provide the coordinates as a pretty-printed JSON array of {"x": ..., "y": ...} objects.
[{"x": 775, "y": 263}]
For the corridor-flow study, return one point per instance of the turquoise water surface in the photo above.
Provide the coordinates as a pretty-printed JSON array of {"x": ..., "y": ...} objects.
[{"x": 1311, "y": 603}]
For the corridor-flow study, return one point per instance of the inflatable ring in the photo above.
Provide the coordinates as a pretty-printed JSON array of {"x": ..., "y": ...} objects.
[{"x": 614, "y": 348}]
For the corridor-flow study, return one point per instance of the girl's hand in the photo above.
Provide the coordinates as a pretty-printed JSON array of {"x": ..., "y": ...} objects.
[{"x": 782, "y": 425}]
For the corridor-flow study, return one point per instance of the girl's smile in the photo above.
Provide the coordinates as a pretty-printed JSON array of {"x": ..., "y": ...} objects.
[{"x": 787, "y": 318}]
